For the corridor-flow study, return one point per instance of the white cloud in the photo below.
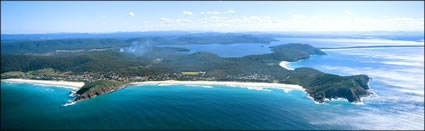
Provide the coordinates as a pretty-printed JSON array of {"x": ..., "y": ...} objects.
[
  {"x": 166, "y": 20},
  {"x": 298, "y": 22},
  {"x": 187, "y": 12},
  {"x": 217, "y": 12},
  {"x": 347, "y": 12},
  {"x": 213, "y": 12},
  {"x": 183, "y": 20},
  {"x": 131, "y": 13},
  {"x": 169, "y": 20},
  {"x": 218, "y": 17}
]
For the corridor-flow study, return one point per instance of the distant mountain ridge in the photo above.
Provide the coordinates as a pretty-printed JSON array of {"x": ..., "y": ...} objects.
[{"x": 392, "y": 35}]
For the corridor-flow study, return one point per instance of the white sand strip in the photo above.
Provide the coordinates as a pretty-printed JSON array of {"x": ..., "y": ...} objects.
[
  {"x": 284, "y": 64},
  {"x": 67, "y": 84},
  {"x": 260, "y": 85}
]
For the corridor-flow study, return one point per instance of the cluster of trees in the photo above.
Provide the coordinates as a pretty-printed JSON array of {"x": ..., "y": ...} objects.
[
  {"x": 318, "y": 84},
  {"x": 45, "y": 46}
]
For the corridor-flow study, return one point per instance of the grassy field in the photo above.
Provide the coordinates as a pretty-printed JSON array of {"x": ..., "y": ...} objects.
[{"x": 190, "y": 73}]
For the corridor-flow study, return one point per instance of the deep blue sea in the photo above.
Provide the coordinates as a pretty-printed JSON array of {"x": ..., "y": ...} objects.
[{"x": 398, "y": 80}]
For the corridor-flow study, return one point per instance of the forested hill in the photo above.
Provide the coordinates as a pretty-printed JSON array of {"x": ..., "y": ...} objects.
[
  {"x": 169, "y": 65},
  {"x": 86, "y": 45}
]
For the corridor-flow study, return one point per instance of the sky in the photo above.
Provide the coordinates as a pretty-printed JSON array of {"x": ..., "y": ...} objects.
[{"x": 20, "y": 17}]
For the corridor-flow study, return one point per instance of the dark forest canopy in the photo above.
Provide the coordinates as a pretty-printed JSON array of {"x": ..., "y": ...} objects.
[{"x": 84, "y": 45}]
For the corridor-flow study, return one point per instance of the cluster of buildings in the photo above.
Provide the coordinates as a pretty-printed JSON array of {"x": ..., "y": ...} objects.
[{"x": 95, "y": 76}]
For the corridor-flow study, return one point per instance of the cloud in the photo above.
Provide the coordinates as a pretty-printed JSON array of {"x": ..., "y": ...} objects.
[
  {"x": 218, "y": 17},
  {"x": 187, "y": 13},
  {"x": 183, "y": 20},
  {"x": 131, "y": 13},
  {"x": 169, "y": 20},
  {"x": 166, "y": 20},
  {"x": 231, "y": 11},
  {"x": 299, "y": 22},
  {"x": 217, "y": 12},
  {"x": 213, "y": 13},
  {"x": 347, "y": 12}
]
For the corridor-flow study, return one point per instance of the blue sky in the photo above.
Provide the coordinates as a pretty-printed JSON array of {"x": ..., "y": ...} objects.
[{"x": 125, "y": 16}]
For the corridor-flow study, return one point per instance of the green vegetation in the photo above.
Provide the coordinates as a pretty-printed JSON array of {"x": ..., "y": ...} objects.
[
  {"x": 321, "y": 85},
  {"x": 44, "y": 72},
  {"x": 92, "y": 89},
  {"x": 206, "y": 39},
  {"x": 163, "y": 63},
  {"x": 83, "y": 46},
  {"x": 13, "y": 74},
  {"x": 43, "y": 46}
]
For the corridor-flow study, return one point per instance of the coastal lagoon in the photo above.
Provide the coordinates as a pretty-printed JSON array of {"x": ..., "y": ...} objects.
[
  {"x": 244, "y": 49},
  {"x": 397, "y": 75}
]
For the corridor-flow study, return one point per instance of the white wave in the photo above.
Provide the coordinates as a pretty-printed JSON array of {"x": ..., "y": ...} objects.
[
  {"x": 164, "y": 84},
  {"x": 69, "y": 103},
  {"x": 400, "y": 78},
  {"x": 385, "y": 55},
  {"x": 369, "y": 48},
  {"x": 356, "y": 42},
  {"x": 374, "y": 41},
  {"x": 191, "y": 85},
  {"x": 418, "y": 64},
  {"x": 64, "y": 84},
  {"x": 207, "y": 86},
  {"x": 419, "y": 92}
]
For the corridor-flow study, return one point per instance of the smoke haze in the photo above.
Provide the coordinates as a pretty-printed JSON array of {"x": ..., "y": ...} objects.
[{"x": 138, "y": 48}]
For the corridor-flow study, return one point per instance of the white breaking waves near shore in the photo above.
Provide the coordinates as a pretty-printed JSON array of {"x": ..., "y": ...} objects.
[{"x": 398, "y": 79}]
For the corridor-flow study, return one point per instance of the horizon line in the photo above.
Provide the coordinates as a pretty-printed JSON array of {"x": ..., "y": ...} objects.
[{"x": 200, "y": 31}]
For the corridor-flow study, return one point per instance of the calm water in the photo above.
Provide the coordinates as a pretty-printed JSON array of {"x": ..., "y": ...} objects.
[
  {"x": 243, "y": 49},
  {"x": 397, "y": 74}
]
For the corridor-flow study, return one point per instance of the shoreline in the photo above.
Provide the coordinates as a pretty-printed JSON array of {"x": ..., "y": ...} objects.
[
  {"x": 284, "y": 64},
  {"x": 205, "y": 84},
  {"x": 249, "y": 85},
  {"x": 65, "y": 84}
]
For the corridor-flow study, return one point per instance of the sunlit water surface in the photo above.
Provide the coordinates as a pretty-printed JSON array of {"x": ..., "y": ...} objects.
[{"x": 397, "y": 73}]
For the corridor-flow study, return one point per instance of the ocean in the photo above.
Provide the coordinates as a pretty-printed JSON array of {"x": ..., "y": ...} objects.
[{"x": 397, "y": 74}]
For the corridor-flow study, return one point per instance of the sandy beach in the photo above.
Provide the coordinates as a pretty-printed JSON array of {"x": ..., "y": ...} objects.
[
  {"x": 249, "y": 85},
  {"x": 284, "y": 64},
  {"x": 67, "y": 84}
]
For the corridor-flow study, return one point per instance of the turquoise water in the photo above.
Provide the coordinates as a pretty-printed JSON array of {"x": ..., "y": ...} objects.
[
  {"x": 397, "y": 73},
  {"x": 27, "y": 106}
]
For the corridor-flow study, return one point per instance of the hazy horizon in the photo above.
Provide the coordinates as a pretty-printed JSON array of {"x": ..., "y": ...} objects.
[{"x": 212, "y": 16}]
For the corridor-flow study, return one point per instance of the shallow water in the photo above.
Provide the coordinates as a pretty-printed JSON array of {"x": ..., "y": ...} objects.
[
  {"x": 27, "y": 106},
  {"x": 397, "y": 79}
]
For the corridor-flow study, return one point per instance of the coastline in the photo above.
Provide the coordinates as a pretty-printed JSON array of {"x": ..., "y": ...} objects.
[
  {"x": 284, "y": 64},
  {"x": 205, "y": 84},
  {"x": 249, "y": 85},
  {"x": 65, "y": 84}
]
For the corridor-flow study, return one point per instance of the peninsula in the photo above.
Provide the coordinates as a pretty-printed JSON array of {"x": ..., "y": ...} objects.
[{"x": 107, "y": 70}]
